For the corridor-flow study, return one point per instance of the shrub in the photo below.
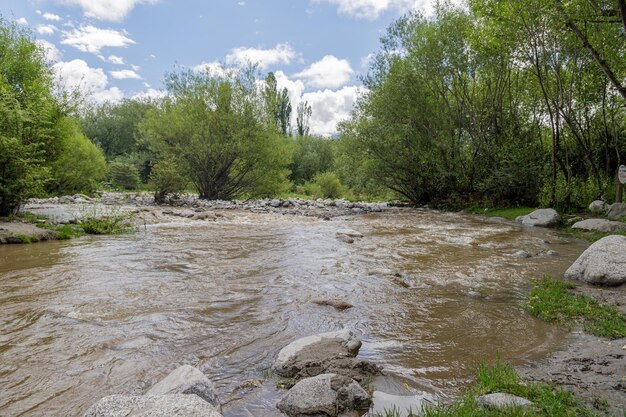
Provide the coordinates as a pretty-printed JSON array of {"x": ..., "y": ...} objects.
[
  {"x": 80, "y": 166},
  {"x": 113, "y": 222},
  {"x": 166, "y": 179},
  {"x": 329, "y": 185},
  {"x": 124, "y": 174}
]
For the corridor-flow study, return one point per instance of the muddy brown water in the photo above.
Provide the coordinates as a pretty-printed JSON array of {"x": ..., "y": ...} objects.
[{"x": 95, "y": 316}]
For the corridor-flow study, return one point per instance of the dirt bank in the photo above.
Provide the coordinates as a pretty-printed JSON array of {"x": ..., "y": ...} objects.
[
  {"x": 21, "y": 232},
  {"x": 591, "y": 367}
]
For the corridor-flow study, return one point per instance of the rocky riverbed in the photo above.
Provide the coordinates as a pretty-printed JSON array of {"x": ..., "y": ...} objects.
[{"x": 223, "y": 286}]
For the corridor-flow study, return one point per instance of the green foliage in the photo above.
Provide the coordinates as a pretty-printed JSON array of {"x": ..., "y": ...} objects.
[
  {"x": 548, "y": 400},
  {"x": 166, "y": 178},
  {"x": 311, "y": 155},
  {"x": 575, "y": 194},
  {"x": 216, "y": 127},
  {"x": 113, "y": 222},
  {"x": 328, "y": 184},
  {"x": 28, "y": 113},
  {"x": 123, "y": 173},
  {"x": 551, "y": 301},
  {"x": 115, "y": 127},
  {"x": 80, "y": 165}
]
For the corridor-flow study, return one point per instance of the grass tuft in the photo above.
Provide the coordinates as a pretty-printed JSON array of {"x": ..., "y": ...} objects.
[
  {"x": 551, "y": 301},
  {"x": 548, "y": 400},
  {"x": 510, "y": 213}
]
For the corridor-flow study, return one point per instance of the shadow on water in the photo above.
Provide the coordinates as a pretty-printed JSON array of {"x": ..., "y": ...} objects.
[{"x": 98, "y": 316}]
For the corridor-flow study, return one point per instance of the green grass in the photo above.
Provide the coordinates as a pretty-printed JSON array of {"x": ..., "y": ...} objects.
[
  {"x": 549, "y": 400},
  {"x": 64, "y": 231},
  {"x": 551, "y": 301},
  {"x": 115, "y": 224},
  {"x": 510, "y": 213},
  {"x": 22, "y": 238}
]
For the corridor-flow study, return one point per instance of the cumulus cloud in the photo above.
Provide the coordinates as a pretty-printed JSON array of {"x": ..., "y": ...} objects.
[
  {"x": 22, "y": 21},
  {"x": 46, "y": 29},
  {"x": 329, "y": 72},
  {"x": 51, "y": 16},
  {"x": 150, "y": 94},
  {"x": 330, "y": 107},
  {"x": 117, "y": 60},
  {"x": 282, "y": 53},
  {"x": 210, "y": 67},
  {"x": 372, "y": 9},
  {"x": 110, "y": 10},
  {"x": 91, "y": 82},
  {"x": 92, "y": 39},
  {"x": 52, "y": 53},
  {"x": 125, "y": 75}
]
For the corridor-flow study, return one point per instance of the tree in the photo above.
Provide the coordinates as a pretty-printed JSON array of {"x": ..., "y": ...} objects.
[
  {"x": 277, "y": 104},
  {"x": 303, "y": 118},
  {"x": 216, "y": 126},
  {"x": 28, "y": 114}
]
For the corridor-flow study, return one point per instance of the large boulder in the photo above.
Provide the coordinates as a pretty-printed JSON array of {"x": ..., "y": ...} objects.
[
  {"x": 499, "y": 400},
  {"x": 324, "y": 395},
  {"x": 541, "y": 218},
  {"x": 598, "y": 207},
  {"x": 600, "y": 225},
  {"x": 616, "y": 211},
  {"x": 187, "y": 380},
  {"x": 326, "y": 353},
  {"x": 603, "y": 263},
  {"x": 152, "y": 406}
]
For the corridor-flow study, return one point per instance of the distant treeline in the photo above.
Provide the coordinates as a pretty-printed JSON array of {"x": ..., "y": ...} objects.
[{"x": 500, "y": 103}]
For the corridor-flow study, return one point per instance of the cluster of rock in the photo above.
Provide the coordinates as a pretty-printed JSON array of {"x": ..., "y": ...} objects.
[
  {"x": 186, "y": 392},
  {"x": 327, "y": 374},
  {"x": 298, "y": 206}
]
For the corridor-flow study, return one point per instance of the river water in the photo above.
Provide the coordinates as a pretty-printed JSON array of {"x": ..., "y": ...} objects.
[{"x": 95, "y": 316}]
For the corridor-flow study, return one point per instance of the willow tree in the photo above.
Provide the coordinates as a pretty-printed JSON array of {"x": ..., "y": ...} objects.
[{"x": 215, "y": 129}]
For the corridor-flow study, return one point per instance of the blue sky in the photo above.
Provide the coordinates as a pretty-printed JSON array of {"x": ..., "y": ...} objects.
[{"x": 116, "y": 49}]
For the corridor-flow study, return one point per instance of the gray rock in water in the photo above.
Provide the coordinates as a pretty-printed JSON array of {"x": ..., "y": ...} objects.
[
  {"x": 502, "y": 400},
  {"x": 603, "y": 263},
  {"x": 600, "y": 225},
  {"x": 521, "y": 254},
  {"x": 616, "y": 211},
  {"x": 324, "y": 395},
  {"x": 403, "y": 405},
  {"x": 598, "y": 207},
  {"x": 321, "y": 347},
  {"x": 349, "y": 233},
  {"x": 152, "y": 406},
  {"x": 541, "y": 218},
  {"x": 275, "y": 203},
  {"x": 187, "y": 380}
]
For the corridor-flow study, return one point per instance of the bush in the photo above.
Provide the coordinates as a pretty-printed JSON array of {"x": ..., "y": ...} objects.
[
  {"x": 328, "y": 185},
  {"x": 124, "y": 174},
  {"x": 166, "y": 179},
  {"x": 114, "y": 222},
  {"x": 576, "y": 195},
  {"x": 80, "y": 166}
]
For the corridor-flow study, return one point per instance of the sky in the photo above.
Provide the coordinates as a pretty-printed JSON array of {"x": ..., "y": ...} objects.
[{"x": 120, "y": 49}]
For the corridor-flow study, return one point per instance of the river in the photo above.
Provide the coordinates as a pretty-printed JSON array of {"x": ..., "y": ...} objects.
[{"x": 95, "y": 316}]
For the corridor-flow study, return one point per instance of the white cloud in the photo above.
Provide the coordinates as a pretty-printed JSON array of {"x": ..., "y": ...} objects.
[
  {"x": 51, "y": 16},
  {"x": 125, "y": 75},
  {"x": 46, "y": 29},
  {"x": 372, "y": 9},
  {"x": 282, "y": 53},
  {"x": 110, "y": 10},
  {"x": 329, "y": 72},
  {"x": 92, "y": 39},
  {"x": 135, "y": 67},
  {"x": 117, "y": 60},
  {"x": 92, "y": 82},
  {"x": 52, "y": 53},
  {"x": 22, "y": 21},
  {"x": 330, "y": 107},
  {"x": 213, "y": 68},
  {"x": 150, "y": 94}
]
